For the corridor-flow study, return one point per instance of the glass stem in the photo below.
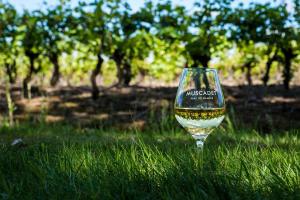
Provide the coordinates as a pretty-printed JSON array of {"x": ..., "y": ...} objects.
[{"x": 200, "y": 139}]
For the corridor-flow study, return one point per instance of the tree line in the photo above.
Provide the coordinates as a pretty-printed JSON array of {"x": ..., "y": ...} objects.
[{"x": 109, "y": 29}]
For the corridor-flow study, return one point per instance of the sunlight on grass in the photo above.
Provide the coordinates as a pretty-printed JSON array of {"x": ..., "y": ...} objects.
[{"x": 68, "y": 162}]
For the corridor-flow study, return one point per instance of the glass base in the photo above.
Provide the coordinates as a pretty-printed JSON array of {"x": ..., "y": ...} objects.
[{"x": 200, "y": 139}]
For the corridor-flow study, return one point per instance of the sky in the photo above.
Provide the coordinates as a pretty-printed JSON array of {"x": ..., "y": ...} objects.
[{"x": 135, "y": 4}]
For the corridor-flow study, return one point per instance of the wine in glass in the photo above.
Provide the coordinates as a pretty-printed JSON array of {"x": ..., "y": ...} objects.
[{"x": 199, "y": 103}]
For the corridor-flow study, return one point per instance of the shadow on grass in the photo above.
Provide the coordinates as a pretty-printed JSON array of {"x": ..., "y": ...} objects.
[{"x": 146, "y": 169}]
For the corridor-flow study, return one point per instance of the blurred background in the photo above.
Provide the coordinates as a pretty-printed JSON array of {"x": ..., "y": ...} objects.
[{"x": 113, "y": 63}]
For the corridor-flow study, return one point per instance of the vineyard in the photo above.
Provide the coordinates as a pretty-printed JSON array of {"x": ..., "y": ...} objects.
[
  {"x": 87, "y": 95},
  {"x": 104, "y": 42}
]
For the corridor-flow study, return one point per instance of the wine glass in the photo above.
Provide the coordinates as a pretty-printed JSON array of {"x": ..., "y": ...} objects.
[{"x": 199, "y": 104}]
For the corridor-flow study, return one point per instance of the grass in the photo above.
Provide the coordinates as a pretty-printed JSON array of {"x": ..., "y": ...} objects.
[{"x": 59, "y": 161}]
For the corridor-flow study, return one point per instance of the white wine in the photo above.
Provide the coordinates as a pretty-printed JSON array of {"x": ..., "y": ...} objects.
[
  {"x": 199, "y": 104},
  {"x": 198, "y": 121}
]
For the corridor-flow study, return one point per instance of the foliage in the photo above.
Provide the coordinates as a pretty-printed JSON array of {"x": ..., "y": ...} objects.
[
  {"x": 208, "y": 22},
  {"x": 9, "y": 50},
  {"x": 154, "y": 40}
]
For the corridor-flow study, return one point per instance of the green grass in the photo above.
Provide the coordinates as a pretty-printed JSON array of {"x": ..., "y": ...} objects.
[{"x": 67, "y": 162}]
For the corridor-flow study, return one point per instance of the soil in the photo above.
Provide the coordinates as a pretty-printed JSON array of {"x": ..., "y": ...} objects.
[{"x": 265, "y": 108}]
